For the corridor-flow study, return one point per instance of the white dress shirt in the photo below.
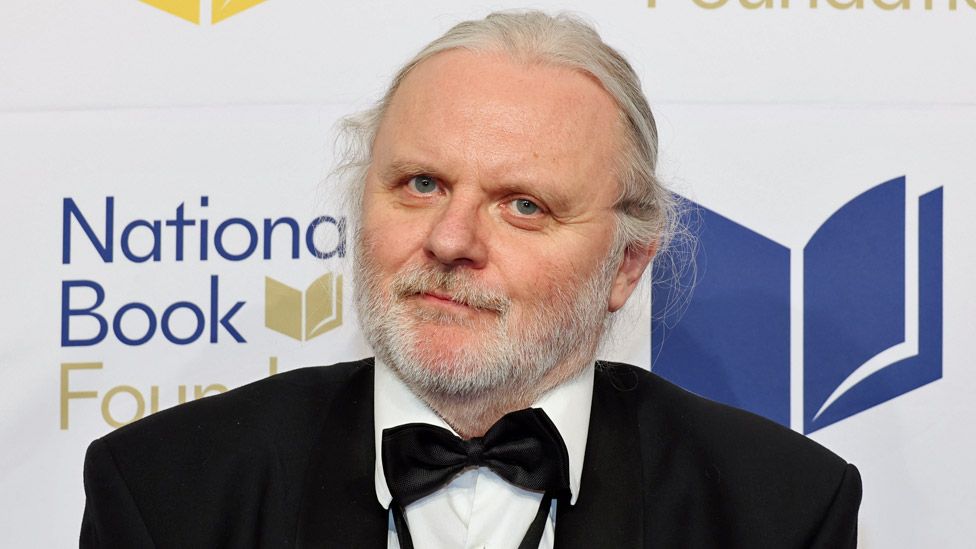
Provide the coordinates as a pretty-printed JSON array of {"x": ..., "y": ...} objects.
[{"x": 478, "y": 509}]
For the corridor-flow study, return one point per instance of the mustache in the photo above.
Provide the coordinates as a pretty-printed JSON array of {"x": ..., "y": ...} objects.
[{"x": 416, "y": 280}]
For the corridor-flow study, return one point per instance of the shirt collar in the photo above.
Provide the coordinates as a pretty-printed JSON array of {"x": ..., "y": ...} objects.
[{"x": 568, "y": 406}]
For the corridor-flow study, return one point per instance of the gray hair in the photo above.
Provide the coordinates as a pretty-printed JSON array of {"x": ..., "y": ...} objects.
[{"x": 645, "y": 210}]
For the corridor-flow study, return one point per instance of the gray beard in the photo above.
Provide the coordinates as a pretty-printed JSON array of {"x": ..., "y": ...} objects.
[{"x": 516, "y": 350}]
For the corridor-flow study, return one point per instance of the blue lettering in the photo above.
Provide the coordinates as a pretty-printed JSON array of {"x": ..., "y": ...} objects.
[
  {"x": 252, "y": 243},
  {"x": 117, "y": 323},
  {"x": 155, "y": 228},
  {"x": 224, "y": 320},
  {"x": 204, "y": 231},
  {"x": 316, "y": 242},
  {"x": 67, "y": 312},
  {"x": 340, "y": 248},
  {"x": 217, "y": 320},
  {"x": 179, "y": 222},
  {"x": 71, "y": 211},
  {"x": 269, "y": 228},
  {"x": 168, "y": 332}
]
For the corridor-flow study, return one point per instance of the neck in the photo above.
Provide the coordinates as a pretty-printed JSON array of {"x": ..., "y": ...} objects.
[{"x": 471, "y": 415}]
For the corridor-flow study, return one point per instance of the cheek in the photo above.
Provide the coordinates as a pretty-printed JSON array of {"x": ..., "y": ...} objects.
[
  {"x": 554, "y": 275},
  {"x": 389, "y": 237},
  {"x": 530, "y": 276},
  {"x": 385, "y": 254}
]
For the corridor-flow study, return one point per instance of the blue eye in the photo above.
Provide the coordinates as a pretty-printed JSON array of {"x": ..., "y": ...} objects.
[
  {"x": 525, "y": 206},
  {"x": 423, "y": 184}
]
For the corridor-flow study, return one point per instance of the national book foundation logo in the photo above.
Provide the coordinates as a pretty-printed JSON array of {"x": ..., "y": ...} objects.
[
  {"x": 303, "y": 316},
  {"x": 809, "y": 337},
  {"x": 104, "y": 241},
  {"x": 193, "y": 10}
]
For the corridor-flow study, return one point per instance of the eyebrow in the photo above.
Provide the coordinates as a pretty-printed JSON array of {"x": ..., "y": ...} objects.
[{"x": 401, "y": 168}]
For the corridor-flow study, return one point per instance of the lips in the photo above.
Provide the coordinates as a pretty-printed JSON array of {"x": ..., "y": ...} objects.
[
  {"x": 442, "y": 298},
  {"x": 440, "y": 295}
]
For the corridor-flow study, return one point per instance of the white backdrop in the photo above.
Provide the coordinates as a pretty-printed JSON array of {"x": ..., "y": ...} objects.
[{"x": 772, "y": 116}]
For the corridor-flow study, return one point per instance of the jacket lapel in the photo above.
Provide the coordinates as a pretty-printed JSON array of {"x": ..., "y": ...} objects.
[
  {"x": 610, "y": 509},
  {"x": 339, "y": 506}
]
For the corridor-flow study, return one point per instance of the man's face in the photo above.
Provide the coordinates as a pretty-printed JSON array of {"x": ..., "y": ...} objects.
[{"x": 484, "y": 248}]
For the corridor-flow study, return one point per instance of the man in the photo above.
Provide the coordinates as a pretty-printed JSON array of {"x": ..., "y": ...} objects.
[{"x": 508, "y": 208}]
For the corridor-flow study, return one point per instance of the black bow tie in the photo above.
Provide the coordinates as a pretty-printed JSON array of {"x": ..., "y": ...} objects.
[{"x": 523, "y": 447}]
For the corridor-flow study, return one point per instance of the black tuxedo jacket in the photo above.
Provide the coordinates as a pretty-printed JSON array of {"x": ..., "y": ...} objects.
[{"x": 288, "y": 461}]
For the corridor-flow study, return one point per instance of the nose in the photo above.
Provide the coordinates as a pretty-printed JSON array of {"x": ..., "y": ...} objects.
[{"x": 456, "y": 237}]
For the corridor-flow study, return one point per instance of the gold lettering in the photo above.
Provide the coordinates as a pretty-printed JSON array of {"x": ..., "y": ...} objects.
[
  {"x": 181, "y": 390},
  {"x": 756, "y": 4},
  {"x": 107, "y": 401},
  {"x": 67, "y": 395},
  {"x": 651, "y": 3},
  {"x": 199, "y": 391},
  {"x": 859, "y": 4},
  {"x": 710, "y": 5},
  {"x": 903, "y": 4},
  {"x": 272, "y": 366},
  {"x": 153, "y": 399}
]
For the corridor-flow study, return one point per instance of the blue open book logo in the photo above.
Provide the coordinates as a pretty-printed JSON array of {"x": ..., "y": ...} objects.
[{"x": 870, "y": 307}]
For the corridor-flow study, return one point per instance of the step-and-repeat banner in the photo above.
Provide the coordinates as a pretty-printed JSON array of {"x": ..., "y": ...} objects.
[{"x": 170, "y": 230}]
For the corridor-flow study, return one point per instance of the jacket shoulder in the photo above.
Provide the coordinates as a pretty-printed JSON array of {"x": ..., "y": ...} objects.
[
  {"x": 707, "y": 424},
  {"x": 744, "y": 474},
  {"x": 223, "y": 459},
  {"x": 260, "y": 407}
]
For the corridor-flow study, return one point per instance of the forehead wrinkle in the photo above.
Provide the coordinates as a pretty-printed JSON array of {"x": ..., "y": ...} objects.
[
  {"x": 470, "y": 136},
  {"x": 563, "y": 114}
]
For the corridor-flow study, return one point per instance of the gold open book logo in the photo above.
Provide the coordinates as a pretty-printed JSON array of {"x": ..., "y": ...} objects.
[
  {"x": 191, "y": 9},
  {"x": 303, "y": 316}
]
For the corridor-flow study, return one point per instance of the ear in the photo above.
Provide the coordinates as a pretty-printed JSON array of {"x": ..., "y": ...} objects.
[{"x": 636, "y": 259}]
